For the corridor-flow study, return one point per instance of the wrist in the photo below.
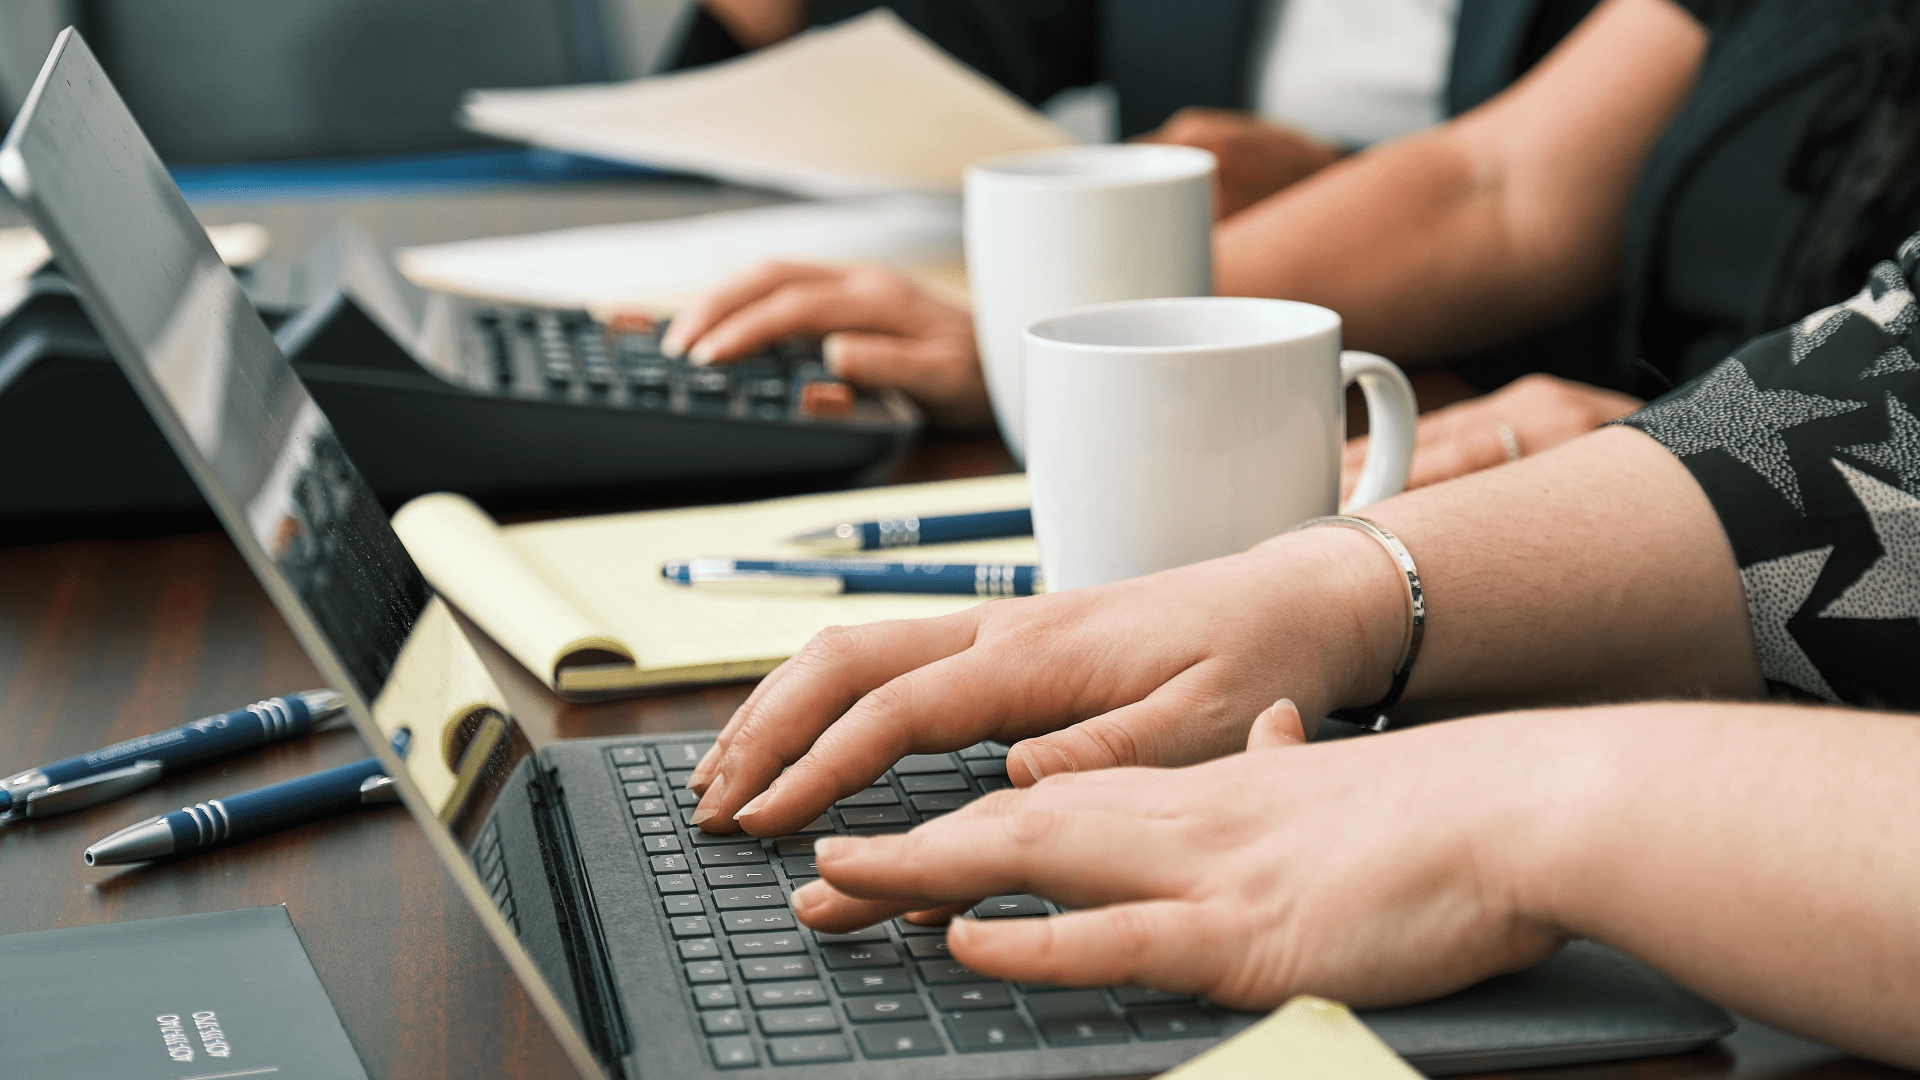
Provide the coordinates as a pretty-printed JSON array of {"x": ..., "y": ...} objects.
[{"x": 1357, "y": 605}]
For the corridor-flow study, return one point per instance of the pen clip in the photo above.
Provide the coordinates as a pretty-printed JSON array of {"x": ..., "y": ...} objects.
[
  {"x": 762, "y": 583},
  {"x": 378, "y": 789},
  {"x": 98, "y": 788}
]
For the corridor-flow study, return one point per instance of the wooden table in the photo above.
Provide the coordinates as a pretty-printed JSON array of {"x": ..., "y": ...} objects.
[{"x": 104, "y": 639}]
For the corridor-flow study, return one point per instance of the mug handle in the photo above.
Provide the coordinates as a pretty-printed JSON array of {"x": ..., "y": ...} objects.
[{"x": 1391, "y": 416}]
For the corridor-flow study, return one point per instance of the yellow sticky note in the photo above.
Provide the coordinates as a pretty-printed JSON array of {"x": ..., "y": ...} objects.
[{"x": 1308, "y": 1038}]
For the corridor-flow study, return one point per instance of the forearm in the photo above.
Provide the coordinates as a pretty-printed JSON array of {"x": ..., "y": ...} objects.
[
  {"x": 1497, "y": 222},
  {"x": 1597, "y": 571},
  {"x": 1761, "y": 855}
]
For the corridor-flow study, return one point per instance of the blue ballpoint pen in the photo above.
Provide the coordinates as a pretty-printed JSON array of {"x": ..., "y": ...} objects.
[
  {"x": 828, "y": 577},
  {"x": 911, "y": 531},
  {"x": 110, "y": 773},
  {"x": 252, "y": 813}
]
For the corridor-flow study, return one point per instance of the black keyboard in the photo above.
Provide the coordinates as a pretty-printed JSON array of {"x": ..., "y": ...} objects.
[
  {"x": 557, "y": 355},
  {"x": 767, "y": 991}
]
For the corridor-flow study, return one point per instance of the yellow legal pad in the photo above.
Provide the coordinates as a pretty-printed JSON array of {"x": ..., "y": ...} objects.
[
  {"x": 582, "y": 605},
  {"x": 1308, "y": 1038}
]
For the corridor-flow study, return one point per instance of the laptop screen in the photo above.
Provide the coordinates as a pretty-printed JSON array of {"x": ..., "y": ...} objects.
[{"x": 271, "y": 467}]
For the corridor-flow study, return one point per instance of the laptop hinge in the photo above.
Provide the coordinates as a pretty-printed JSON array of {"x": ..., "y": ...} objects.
[{"x": 602, "y": 1019}]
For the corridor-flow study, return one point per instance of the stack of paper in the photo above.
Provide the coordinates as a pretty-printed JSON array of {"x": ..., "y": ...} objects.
[
  {"x": 656, "y": 266},
  {"x": 866, "y": 106}
]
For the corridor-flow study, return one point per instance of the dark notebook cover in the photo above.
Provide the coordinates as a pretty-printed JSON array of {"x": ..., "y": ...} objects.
[{"x": 192, "y": 997}]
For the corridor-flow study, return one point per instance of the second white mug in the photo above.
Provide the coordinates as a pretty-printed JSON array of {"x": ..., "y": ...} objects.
[
  {"x": 1166, "y": 432},
  {"x": 1054, "y": 229}
]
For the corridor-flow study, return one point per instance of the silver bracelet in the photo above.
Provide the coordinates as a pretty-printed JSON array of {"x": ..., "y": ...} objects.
[{"x": 1373, "y": 716}]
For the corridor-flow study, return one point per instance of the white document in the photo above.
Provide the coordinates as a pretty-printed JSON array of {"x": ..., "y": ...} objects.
[
  {"x": 656, "y": 266},
  {"x": 866, "y": 106}
]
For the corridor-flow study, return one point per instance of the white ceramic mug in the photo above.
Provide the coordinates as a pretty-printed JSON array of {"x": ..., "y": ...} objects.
[
  {"x": 1062, "y": 228},
  {"x": 1165, "y": 432}
]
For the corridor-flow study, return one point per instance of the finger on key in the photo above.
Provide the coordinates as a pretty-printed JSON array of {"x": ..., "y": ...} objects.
[
  {"x": 946, "y": 705},
  {"x": 838, "y": 667},
  {"x": 698, "y": 317},
  {"x": 803, "y": 307},
  {"x": 1079, "y": 858},
  {"x": 704, "y": 770},
  {"x": 1165, "y": 944}
]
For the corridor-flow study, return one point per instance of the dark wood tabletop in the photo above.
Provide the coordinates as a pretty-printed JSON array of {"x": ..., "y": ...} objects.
[{"x": 103, "y": 639}]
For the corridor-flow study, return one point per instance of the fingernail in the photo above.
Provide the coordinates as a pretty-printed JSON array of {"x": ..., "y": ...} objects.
[
  {"x": 1042, "y": 760},
  {"x": 755, "y": 804},
  {"x": 701, "y": 354},
  {"x": 712, "y": 790},
  {"x": 670, "y": 344},
  {"x": 833, "y": 352},
  {"x": 808, "y": 896},
  {"x": 707, "y": 761},
  {"x": 705, "y": 813},
  {"x": 824, "y": 846}
]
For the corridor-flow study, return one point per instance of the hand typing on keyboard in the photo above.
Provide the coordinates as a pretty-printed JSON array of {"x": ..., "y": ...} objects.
[
  {"x": 881, "y": 331},
  {"x": 1346, "y": 869},
  {"x": 1161, "y": 670}
]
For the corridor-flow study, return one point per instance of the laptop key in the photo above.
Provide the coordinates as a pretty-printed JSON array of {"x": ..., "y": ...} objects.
[
  {"x": 660, "y": 845},
  {"x": 942, "y": 972},
  {"x": 731, "y": 877},
  {"x": 685, "y": 798},
  {"x": 988, "y": 767},
  {"x": 909, "y": 928},
  {"x": 862, "y": 1010},
  {"x": 1143, "y": 995},
  {"x": 723, "y": 1022},
  {"x": 807, "y": 1048},
  {"x": 730, "y": 855},
  {"x": 914, "y": 785},
  {"x": 843, "y": 957},
  {"x": 646, "y": 789},
  {"x": 786, "y": 941},
  {"x": 733, "y": 1052},
  {"x": 680, "y": 755},
  {"x": 691, "y": 926},
  {"x": 628, "y": 755},
  {"x": 873, "y": 796},
  {"x": 683, "y": 905},
  {"x": 789, "y": 993},
  {"x": 707, "y": 971},
  {"x": 988, "y": 1030},
  {"x": 703, "y": 838},
  {"x": 857, "y": 816},
  {"x": 1009, "y": 907},
  {"x": 942, "y": 802},
  {"x": 716, "y": 996},
  {"x": 675, "y": 883},
  {"x": 923, "y": 763},
  {"x": 635, "y": 772},
  {"x": 894, "y": 981},
  {"x": 794, "y": 1021},
  {"x": 977, "y": 750},
  {"x": 1156, "y": 1022},
  {"x": 871, "y": 933},
  {"x": 978, "y": 996},
  {"x": 679, "y": 777},
  {"x": 1076, "y": 1018},
  {"x": 771, "y": 968},
  {"x": 800, "y": 866},
  {"x": 654, "y": 825},
  {"x": 647, "y": 807},
  {"x": 994, "y": 783},
  {"x": 793, "y": 845},
  {"x": 821, "y": 824},
  {"x": 698, "y": 948},
  {"x": 928, "y": 948},
  {"x": 669, "y": 864},
  {"x": 735, "y": 899},
  {"x": 753, "y": 919},
  {"x": 911, "y": 1039}
]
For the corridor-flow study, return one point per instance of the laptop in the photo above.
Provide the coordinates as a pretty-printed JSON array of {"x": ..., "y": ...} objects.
[{"x": 650, "y": 948}]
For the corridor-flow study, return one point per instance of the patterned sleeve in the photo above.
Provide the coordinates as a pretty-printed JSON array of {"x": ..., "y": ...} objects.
[{"x": 1807, "y": 442}]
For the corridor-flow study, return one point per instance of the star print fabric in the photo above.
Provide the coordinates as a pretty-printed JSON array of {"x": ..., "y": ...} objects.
[{"x": 1807, "y": 442}]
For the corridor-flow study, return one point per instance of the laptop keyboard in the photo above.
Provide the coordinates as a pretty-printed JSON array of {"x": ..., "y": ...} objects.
[{"x": 768, "y": 991}]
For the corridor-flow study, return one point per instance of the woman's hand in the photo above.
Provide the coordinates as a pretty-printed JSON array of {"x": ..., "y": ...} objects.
[
  {"x": 1376, "y": 871},
  {"x": 1166, "y": 669},
  {"x": 1254, "y": 158},
  {"x": 1531, "y": 414},
  {"x": 880, "y": 330}
]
